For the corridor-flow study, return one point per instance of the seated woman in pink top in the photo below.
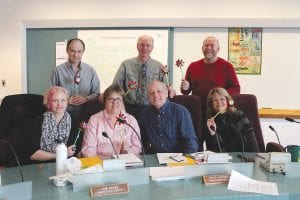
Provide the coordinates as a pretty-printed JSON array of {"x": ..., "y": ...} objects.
[{"x": 123, "y": 137}]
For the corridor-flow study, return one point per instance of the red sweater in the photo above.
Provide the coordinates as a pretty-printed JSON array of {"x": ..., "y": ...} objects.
[{"x": 203, "y": 77}]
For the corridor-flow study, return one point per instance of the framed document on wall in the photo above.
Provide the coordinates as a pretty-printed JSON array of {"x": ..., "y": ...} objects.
[{"x": 244, "y": 50}]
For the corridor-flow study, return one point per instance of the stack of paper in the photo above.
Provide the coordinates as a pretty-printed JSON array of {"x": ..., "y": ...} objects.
[{"x": 130, "y": 159}]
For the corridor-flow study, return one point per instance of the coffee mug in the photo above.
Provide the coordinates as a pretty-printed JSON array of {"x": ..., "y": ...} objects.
[{"x": 295, "y": 152}]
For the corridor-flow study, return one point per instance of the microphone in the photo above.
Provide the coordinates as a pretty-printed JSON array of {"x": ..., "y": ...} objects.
[
  {"x": 272, "y": 129},
  {"x": 16, "y": 157},
  {"x": 217, "y": 137},
  {"x": 243, "y": 143},
  {"x": 122, "y": 120},
  {"x": 106, "y": 135},
  {"x": 291, "y": 120}
]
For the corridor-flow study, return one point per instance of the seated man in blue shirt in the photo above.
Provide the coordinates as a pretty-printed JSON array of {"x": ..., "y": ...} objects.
[{"x": 166, "y": 127}]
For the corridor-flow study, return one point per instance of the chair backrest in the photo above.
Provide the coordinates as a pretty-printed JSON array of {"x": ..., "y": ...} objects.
[
  {"x": 248, "y": 104},
  {"x": 15, "y": 108},
  {"x": 193, "y": 104}
]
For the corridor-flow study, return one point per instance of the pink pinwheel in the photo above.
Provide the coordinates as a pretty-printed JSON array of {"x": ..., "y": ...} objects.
[
  {"x": 82, "y": 127},
  {"x": 165, "y": 70},
  {"x": 131, "y": 85},
  {"x": 77, "y": 79}
]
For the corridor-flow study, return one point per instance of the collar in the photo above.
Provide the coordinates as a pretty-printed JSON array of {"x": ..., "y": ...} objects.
[
  {"x": 163, "y": 108},
  {"x": 140, "y": 62},
  {"x": 70, "y": 65}
]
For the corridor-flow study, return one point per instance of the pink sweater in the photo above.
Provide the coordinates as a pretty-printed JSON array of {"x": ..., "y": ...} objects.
[{"x": 122, "y": 136}]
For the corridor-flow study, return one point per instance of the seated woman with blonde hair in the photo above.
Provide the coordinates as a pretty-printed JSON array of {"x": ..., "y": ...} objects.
[
  {"x": 123, "y": 137},
  {"x": 228, "y": 129},
  {"x": 52, "y": 127}
]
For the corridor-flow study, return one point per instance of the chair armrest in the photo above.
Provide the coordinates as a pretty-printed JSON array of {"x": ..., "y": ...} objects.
[{"x": 274, "y": 147}]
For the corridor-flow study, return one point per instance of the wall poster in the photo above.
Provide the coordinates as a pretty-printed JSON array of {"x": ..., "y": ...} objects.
[{"x": 244, "y": 50}]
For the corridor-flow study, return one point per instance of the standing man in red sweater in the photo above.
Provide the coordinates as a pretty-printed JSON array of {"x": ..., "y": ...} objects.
[{"x": 209, "y": 72}]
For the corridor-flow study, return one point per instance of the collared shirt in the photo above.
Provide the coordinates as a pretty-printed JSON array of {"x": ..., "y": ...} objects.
[
  {"x": 122, "y": 136},
  {"x": 169, "y": 129},
  {"x": 133, "y": 70},
  {"x": 89, "y": 86}
]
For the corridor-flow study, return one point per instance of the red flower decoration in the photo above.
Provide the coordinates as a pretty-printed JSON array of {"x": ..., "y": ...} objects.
[
  {"x": 77, "y": 79},
  {"x": 121, "y": 119},
  {"x": 179, "y": 63}
]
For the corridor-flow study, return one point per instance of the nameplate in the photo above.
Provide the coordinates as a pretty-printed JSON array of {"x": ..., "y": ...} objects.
[
  {"x": 101, "y": 190},
  {"x": 216, "y": 179}
]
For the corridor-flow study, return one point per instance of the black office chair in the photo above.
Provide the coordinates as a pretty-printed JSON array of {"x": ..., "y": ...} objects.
[
  {"x": 16, "y": 115},
  {"x": 248, "y": 104},
  {"x": 15, "y": 108}
]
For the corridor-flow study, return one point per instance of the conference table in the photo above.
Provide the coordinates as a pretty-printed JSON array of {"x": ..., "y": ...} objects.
[{"x": 191, "y": 189}]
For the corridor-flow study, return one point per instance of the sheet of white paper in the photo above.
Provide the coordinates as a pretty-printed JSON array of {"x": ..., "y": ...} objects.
[
  {"x": 241, "y": 183},
  {"x": 164, "y": 158},
  {"x": 167, "y": 173},
  {"x": 61, "y": 55}
]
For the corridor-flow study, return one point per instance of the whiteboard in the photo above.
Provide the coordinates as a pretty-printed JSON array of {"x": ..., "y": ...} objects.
[
  {"x": 106, "y": 49},
  {"x": 278, "y": 86}
]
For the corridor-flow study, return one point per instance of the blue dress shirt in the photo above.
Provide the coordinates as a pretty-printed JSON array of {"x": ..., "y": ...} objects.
[{"x": 168, "y": 130}]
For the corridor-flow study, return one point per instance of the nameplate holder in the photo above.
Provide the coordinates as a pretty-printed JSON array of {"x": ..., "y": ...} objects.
[
  {"x": 113, "y": 165},
  {"x": 218, "y": 158},
  {"x": 102, "y": 190},
  {"x": 216, "y": 179}
]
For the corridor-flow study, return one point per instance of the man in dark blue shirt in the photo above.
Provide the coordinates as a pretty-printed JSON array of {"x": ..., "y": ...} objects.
[{"x": 166, "y": 127}]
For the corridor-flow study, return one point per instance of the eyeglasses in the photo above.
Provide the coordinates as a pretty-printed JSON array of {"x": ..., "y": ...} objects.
[
  {"x": 111, "y": 99},
  {"x": 222, "y": 99}
]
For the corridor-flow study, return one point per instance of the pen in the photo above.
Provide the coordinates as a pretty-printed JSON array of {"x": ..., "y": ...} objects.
[
  {"x": 189, "y": 156},
  {"x": 177, "y": 160},
  {"x": 77, "y": 136}
]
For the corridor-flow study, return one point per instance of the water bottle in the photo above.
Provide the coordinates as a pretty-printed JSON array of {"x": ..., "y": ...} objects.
[{"x": 61, "y": 157}]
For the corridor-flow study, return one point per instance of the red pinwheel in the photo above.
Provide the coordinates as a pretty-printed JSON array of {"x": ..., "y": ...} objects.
[
  {"x": 179, "y": 63},
  {"x": 131, "y": 85}
]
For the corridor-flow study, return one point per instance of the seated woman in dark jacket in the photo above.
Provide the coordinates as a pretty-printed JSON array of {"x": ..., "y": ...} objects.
[{"x": 227, "y": 125}]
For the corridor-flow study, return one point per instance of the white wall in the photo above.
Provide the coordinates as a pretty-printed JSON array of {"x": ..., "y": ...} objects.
[{"x": 279, "y": 81}]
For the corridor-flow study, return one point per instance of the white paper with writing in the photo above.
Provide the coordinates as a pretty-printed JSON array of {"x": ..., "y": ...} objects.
[{"x": 239, "y": 182}]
